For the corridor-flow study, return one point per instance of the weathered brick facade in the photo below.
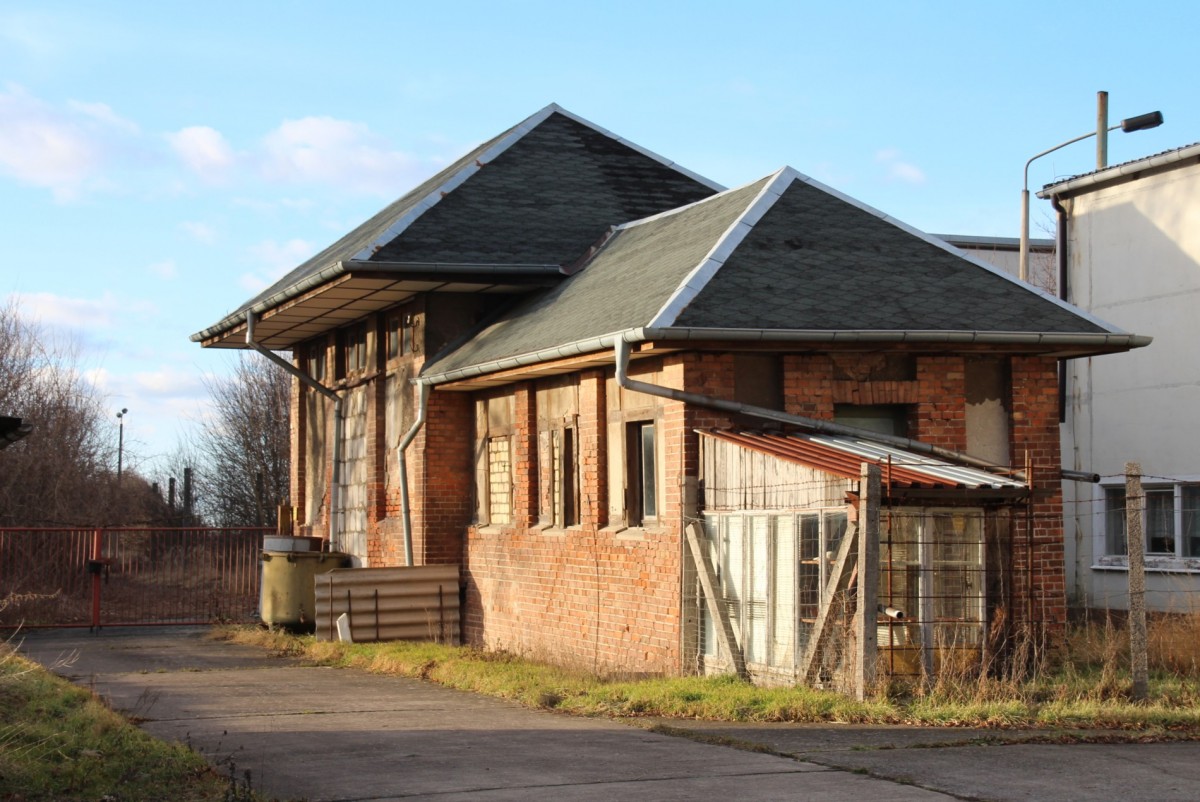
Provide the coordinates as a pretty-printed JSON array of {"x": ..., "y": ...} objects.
[{"x": 606, "y": 596}]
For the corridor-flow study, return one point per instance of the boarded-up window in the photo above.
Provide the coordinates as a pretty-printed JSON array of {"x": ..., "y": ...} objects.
[{"x": 499, "y": 466}]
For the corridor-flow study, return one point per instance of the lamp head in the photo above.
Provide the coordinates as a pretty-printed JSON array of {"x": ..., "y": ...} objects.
[{"x": 1142, "y": 122}]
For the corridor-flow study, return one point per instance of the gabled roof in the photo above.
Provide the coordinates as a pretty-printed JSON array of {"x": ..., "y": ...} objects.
[
  {"x": 784, "y": 260},
  {"x": 511, "y": 212},
  {"x": 843, "y": 456}
]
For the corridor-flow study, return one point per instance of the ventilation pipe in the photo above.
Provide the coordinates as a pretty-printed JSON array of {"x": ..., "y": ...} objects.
[
  {"x": 337, "y": 418},
  {"x": 402, "y": 467}
]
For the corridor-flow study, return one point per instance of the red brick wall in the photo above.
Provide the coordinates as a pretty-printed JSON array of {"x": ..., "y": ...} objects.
[
  {"x": 608, "y": 598},
  {"x": 1035, "y": 440}
]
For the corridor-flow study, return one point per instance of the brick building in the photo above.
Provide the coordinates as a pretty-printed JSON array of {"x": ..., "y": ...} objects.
[{"x": 515, "y": 366}]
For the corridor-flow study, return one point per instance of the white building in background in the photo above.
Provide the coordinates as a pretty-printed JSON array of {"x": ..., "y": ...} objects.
[
  {"x": 1133, "y": 259},
  {"x": 1005, "y": 253}
]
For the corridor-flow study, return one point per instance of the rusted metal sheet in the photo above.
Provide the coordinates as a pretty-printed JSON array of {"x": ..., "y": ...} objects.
[
  {"x": 843, "y": 456},
  {"x": 404, "y": 603}
]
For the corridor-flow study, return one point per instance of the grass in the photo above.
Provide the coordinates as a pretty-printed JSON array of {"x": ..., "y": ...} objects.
[
  {"x": 1071, "y": 691},
  {"x": 59, "y": 742}
]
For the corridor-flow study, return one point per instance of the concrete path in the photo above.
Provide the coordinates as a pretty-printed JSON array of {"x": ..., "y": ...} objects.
[{"x": 330, "y": 734}]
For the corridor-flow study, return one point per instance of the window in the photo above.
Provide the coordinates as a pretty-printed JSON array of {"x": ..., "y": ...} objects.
[
  {"x": 1171, "y": 522},
  {"x": 882, "y": 418},
  {"x": 559, "y": 472},
  {"x": 400, "y": 334},
  {"x": 352, "y": 350},
  {"x": 314, "y": 360},
  {"x": 499, "y": 480},
  {"x": 641, "y": 502}
]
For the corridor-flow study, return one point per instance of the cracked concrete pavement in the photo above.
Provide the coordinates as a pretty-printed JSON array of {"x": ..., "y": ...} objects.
[{"x": 338, "y": 734}]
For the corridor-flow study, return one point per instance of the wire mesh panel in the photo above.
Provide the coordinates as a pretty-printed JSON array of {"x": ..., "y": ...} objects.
[{"x": 932, "y": 590}]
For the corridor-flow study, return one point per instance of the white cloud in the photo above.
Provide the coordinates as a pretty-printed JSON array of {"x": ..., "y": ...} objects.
[
  {"x": 898, "y": 169},
  {"x": 47, "y": 147},
  {"x": 274, "y": 259},
  {"x": 336, "y": 152},
  {"x": 168, "y": 382},
  {"x": 204, "y": 150},
  {"x": 166, "y": 269},
  {"x": 72, "y": 313},
  {"x": 103, "y": 114},
  {"x": 201, "y": 232}
]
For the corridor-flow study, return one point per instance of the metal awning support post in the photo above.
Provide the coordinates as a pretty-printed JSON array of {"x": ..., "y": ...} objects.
[{"x": 334, "y": 495}]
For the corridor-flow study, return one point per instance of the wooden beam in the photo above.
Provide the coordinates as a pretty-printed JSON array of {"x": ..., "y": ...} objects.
[
  {"x": 718, "y": 611},
  {"x": 839, "y": 579}
]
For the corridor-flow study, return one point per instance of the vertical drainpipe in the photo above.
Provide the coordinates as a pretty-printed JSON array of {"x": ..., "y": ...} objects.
[
  {"x": 402, "y": 467},
  {"x": 337, "y": 418},
  {"x": 1060, "y": 259}
]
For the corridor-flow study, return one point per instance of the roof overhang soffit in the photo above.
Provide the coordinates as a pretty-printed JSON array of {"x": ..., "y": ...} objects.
[{"x": 362, "y": 288}]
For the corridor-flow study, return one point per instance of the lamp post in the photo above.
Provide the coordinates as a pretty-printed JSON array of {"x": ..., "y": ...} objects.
[
  {"x": 120, "y": 440},
  {"x": 1138, "y": 123}
]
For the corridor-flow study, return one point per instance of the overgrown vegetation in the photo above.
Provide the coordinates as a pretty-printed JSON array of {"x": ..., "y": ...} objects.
[
  {"x": 59, "y": 742},
  {"x": 1084, "y": 686}
]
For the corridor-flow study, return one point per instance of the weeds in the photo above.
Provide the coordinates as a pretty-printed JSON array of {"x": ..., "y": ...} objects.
[
  {"x": 60, "y": 742},
  {"x": 1082, "y": 686}
]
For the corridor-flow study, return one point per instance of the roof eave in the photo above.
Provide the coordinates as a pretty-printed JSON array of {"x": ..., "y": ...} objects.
[
  {"x": 522, "y": 273},
  {"x": 1050, "y": 343},
  {"x": 1127, "y": 171}
]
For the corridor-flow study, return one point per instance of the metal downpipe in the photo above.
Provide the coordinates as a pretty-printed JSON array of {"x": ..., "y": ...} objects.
[
  {"x": 820, "y": 426},
  {"x": 337, "y": 416},
  {"x": 402, "y": 467}
]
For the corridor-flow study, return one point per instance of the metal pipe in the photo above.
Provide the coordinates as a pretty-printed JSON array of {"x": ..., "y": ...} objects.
[
  {"x": 337, "y": 417},
  {"x": 402, "y": 467},
  {"x": 821, "y": 426}
]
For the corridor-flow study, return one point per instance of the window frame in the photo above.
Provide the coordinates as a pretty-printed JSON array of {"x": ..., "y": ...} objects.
[
  {"x": 1184, "y": 517},
  {"x": 352, "y": 353},
  {"x": 641, "y": 474}
]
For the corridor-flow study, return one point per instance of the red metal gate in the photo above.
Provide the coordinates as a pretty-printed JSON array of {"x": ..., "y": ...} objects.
[{"x": 128, "y": 576}]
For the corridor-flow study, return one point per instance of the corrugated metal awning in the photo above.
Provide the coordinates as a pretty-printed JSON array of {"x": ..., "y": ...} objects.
[{"x": 843, "y": 456}]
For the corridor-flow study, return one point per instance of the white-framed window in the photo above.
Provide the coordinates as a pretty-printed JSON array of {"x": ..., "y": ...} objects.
[
  {"x": 1171, "y": 522},
  {"x": 641, "y": 466}
]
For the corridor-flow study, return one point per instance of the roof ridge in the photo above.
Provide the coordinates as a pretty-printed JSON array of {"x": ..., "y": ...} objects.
[
  {"x": 498, "y": 147},
  {"x": 725, "y": 245}
]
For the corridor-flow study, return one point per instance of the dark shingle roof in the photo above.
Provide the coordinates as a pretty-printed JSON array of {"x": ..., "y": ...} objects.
[
  {"x": 817, "y": 261},
  {"x": 539, "y": 193},
  {"x": 784, "y": 255},
  {"x": 622, "y": 286}
]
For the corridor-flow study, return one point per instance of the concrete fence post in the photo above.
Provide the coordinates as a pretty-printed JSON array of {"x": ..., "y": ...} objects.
[
  {"x": 868, "y": 581},
  {"x": 1135, "y": 546}
]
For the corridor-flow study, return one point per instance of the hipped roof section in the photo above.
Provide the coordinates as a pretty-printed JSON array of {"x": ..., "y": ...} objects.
[
  {"x": 782, "y": 260},
  {"x": 524, "y": 203}
]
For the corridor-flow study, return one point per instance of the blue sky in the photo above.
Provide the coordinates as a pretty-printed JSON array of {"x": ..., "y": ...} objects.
[{"x": 162, "y": 162}]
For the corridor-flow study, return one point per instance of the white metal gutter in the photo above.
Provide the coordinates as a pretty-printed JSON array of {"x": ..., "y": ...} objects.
[
  {"x": 1111, "y": 174},
  {"x": 868, "y": 336}
]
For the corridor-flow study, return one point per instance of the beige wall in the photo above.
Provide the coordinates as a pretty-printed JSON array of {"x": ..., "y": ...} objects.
[{"x": 1134, "y": 252}]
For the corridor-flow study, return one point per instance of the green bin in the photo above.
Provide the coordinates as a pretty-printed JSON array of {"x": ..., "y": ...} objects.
[{"x": 288, "y": 595}]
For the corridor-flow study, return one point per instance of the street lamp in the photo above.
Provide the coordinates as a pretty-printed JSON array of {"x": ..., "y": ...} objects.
[
  {"x": 120, "y": 440},
  {"x": 1138, "y": 123}
]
